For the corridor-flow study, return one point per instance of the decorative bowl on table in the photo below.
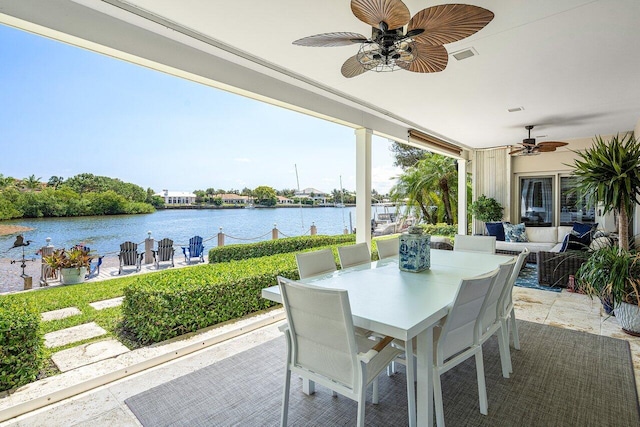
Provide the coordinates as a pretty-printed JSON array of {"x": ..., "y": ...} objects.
[{"x": 414, "y": 254}]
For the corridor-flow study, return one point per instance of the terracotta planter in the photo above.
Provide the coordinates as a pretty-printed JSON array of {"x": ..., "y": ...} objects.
[
  {"x": 628, "y": 316},
  {"x": 72, "y": 276}
]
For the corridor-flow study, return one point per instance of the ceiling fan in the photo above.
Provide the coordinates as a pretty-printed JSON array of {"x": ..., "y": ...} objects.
[
  {"x": 418, "y": 48},
  {"x": 530, "y": 148}
]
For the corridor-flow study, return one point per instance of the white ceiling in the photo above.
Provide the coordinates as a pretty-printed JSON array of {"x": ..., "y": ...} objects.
[{"x": 573, "y": 65}]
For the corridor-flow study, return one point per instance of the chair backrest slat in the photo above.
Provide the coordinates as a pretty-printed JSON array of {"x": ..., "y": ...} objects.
[
  {"x": 165, "y": 249},
  {"x": 195, "y": 246},
  {"x": 129, "y": 253}
]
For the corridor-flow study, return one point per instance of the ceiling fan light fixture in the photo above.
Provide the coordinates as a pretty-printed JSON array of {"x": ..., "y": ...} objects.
[{"x": 400, "y": 41}]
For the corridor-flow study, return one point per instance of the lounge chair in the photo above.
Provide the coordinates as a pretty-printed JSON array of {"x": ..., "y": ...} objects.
[
  {"x": 129, "y": 256},
  {"x": 194, "y": 250},
  {"x": 164, "y": 252}
]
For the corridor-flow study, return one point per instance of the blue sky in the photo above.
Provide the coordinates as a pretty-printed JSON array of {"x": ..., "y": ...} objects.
[{"x": 66, "y": 111}]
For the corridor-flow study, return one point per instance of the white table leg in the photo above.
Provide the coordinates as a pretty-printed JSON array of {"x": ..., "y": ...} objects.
[
  {"x": 308, "y": 386},
  {"x": 411, "y": 376},
  {"x": 425, "y": 377}
]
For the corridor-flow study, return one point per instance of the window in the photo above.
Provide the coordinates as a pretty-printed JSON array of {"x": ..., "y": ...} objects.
[
  {"x": 536, "y": 201},
  {"x": 573, "y": 205}
]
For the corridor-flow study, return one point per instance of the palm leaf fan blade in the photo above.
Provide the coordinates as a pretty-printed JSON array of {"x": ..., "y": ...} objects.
[
  {"x": 428, "y": 59},
  {"x": 449, "y": 23},
  {"x": 331, "y": 39},
  {"x": 352, "y": 67},
  {"x": 372, "y": 12}
]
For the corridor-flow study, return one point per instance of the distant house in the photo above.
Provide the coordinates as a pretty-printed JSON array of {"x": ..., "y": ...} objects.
[
  {"x": 313, "y": 194},
  {"x": 284, "y": 200},
  {"x": 234, "y": 199},
  {"x": 177, "y": 197}
]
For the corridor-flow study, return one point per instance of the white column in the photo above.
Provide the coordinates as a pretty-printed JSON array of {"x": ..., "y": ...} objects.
[
  {"x": 363, "y": 185},
  {"x": 462, "y": 196}
]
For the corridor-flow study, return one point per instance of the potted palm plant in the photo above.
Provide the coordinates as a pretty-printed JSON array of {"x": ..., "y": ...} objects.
[
  {"x": 613, "y": 275},
  {"x": 609, "y": 173},
  {"x": 72, "y": 264}
]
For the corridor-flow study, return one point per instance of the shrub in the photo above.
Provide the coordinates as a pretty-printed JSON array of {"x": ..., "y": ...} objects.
[
  {"x": 160, "y": 307},
  {"x": 440, "y": 229},
  {"x": 20, "y": 344},
  {"x": 272, "y": 247},
  {"x": 486, "y": 209}
]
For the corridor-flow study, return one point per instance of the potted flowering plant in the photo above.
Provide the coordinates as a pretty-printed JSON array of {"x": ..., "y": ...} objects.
[{"x": 73, "y": 264}]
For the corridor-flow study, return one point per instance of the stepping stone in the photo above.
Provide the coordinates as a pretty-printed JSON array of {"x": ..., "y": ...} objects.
[
  {"x": 60, "y": 314},
  {"x": 73, "y": 334},
  {"x": 86, "y": 354},
  {"x": 107, "y": 303}
]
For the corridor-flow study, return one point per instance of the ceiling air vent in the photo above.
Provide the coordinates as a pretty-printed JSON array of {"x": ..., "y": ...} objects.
[
  {"x": 515, "y": 109},
  {"x": 464, "y": 54}
]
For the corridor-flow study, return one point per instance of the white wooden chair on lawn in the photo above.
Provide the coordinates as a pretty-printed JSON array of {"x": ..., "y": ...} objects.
[
  {"x": 486, "y": 244},
  {"x": 322, "y": 346}
]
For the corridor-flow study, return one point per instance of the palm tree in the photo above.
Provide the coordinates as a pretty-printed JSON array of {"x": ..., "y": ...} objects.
[
  {"x": 32, "y": 182},
  {"x": 609, "y": 172},
  {"x": 6, "y": 181},
  {"x": 431, "y": 182}
]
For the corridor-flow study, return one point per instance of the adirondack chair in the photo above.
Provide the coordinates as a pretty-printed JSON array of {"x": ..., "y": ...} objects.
[
  {"x": 194, "y": 250},
  {"x": 129, "y": 256},
  {"x": 94, "y": 269},
  {"x": 164, "y": 252}
]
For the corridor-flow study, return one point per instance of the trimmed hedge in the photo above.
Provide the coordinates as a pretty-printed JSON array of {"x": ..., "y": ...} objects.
[
  {"x": 440, "y": 229},
  {"x": 279, "y": 246},
  {"x": 160, "y": 307},
  {"x": 21, "y": 344}
]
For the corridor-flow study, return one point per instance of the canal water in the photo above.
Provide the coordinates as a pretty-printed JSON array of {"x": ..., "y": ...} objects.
[{"x": 104, "y": 234}]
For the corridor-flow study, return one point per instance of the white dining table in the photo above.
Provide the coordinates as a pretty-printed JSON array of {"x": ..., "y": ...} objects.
[{"x": 406, "y": 305}]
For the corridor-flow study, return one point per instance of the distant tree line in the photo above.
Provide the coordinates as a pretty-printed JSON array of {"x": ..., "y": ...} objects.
[
  {"x": 268, "y": 196},
  {"x": 82, "y": 195}
]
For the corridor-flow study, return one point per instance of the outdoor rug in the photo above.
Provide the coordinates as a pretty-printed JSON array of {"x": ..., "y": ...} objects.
[
  {"x": 561, "y": 378},
  {"x": 528, "y": 278}
]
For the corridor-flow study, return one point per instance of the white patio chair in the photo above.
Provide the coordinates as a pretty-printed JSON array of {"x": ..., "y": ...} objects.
[
  {"x": 322, "y": 346},
  {"x": 506, "y": 308},
  {"x": 354, "y": 255},
  {"x": 466, "y": 243},
  {"x": 490, "y": 322},
  {"x": 458, "y": 338},
  {"x": 387, "y": 247},
  {"x": 315, "y": 263}
]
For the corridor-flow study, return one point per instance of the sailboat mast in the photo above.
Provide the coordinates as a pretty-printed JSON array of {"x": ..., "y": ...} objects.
[{"x": 299, "y": 199}]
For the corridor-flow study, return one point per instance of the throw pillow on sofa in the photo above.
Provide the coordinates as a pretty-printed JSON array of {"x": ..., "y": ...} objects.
[
  {"x": 515, "y": 232},
  {"x": 496, "y": 229},
  {"x": 582, "y": 235}
]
